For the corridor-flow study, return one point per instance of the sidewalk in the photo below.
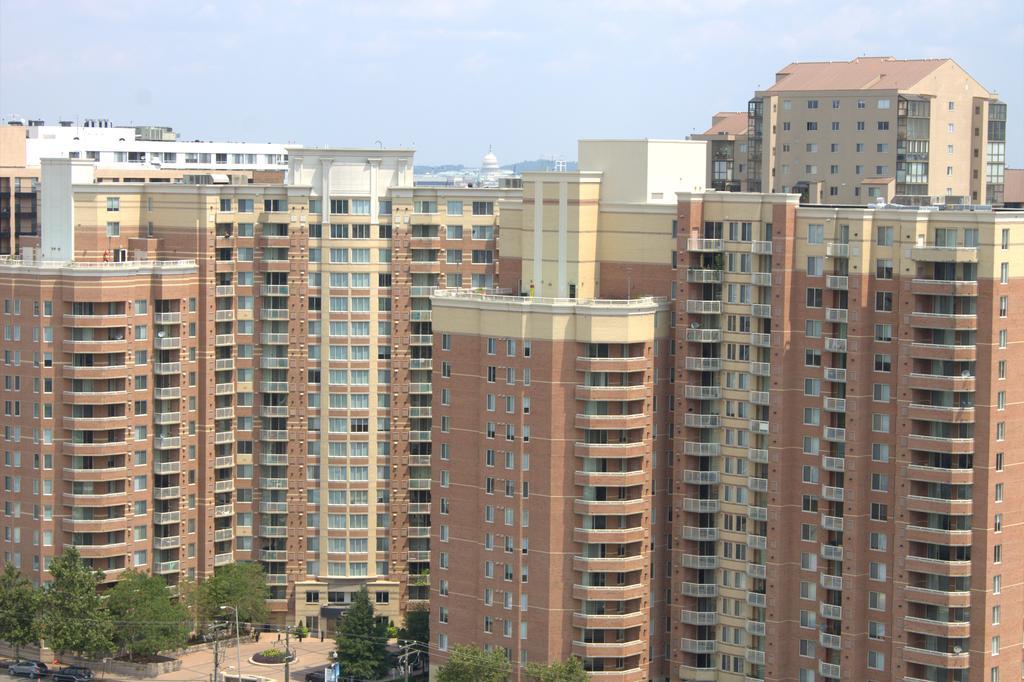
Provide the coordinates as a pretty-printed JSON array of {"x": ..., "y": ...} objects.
[{"x": 198, "y": 666}]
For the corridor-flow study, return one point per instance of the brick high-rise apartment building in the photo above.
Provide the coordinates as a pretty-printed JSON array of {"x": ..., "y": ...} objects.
[
  {"x": 200, "y": 374},
  {"x": 870, "y": 129},
  {"x": 730, "y": 437}
]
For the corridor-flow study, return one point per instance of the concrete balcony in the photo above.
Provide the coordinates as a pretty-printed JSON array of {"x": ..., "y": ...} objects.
[
  {"x": 610, "y": 507},
  {"x": 613, "y": 621},
  {"x": 917, "y": 472},
  {"x": 95, "y": 371},
  {"x": 610, "y": 649},
  {"x": 631, "y": 364},
  {"x": 941, "y": 413},
  {"x": 617, "y": 422},
  {"x": 610, "y": 478},
  {"x": 610, "y": 592},
  {"x": 101, "y": 551},
  {"x": 943, "y": 321},
  {"x": 94, "y": 525},
  {"x": 939, "y": 536},
  {"x": 935, "y": 351},
  {"x": 610, "y": 535},
  {"x": 630, "y": 392},
  {"x": 936, "y": 505},
  {"x": 937, "y": 628},
  {"x": 95, "y": 500},
  {"x": 94, "y": 397},
  {"x": 945, "y": 254},
  {"x": 612, "y": 450},
  {"x": 939, "y": 659},
  {"x": 943, "y": 287},
  {"x": 941, "y": 382},
  {"x": 95, "y": 475},
  {"x": 614, "y": 564},
  {"x": 954, "y": 446}
]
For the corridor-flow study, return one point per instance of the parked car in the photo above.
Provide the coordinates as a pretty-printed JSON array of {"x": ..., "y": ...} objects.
[
  {"x": 315, "y": 676},
  {"x": 27, "y": 669},
  {"x": 72, "y": 673}
]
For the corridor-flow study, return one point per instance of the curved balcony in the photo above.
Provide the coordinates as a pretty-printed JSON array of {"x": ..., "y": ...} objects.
[
  {"x": 637, "y": 392},
  {"x": 610, "y": 621},
  {"x": 950, "y": 569},
  {"x": 95, "y": 475},
  {"x": 690, "y": 672},
  {"x": 95, "y": 423},
  {"x": 612, "y": 450},
  {"x": 935, "y": 505},
  {"x": 610, "y": 592},
  {"x": 633, "y": 364},
  {"x": 94, "y": 525},
  {"x": 610, "y": 478},
  {"x": 629, "y": 675},
  {"x": 98, "y": 346},
  {"x": 943, "y": 287},
  {"x": 940, "y": 536},
  {"x": 943, "y": 321},
  {"x": 938, "y": 659},
  {"x": 96, "y": 449},
  {"x": 77, "y": 321},
  {"x": 95, "y": 397},
  {"x": 95, "y": 371},
  {"x": 941, "y": 382},
  {"x": 619, "y": 564},
  {"x": 615, "y": 422},
  {"x": 610, "y": 507},
  {"x": 100, "y": 500},
  {"x": 101, "y": 551},
  {"x": 916, "y": 472},
  {"x": 610, "y": 649},
  {"x": 940, "y": 413},
  {"x": 610, "y": 535},
  {"x": 923, "y": 595},
  {"x": 937, "y": 628},
  {"x": 955, "y": 446},
  {"x": 938, "y": 351}
]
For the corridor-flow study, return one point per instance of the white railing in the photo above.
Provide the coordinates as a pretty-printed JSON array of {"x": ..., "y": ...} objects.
[{"x": 487, "y": 295}]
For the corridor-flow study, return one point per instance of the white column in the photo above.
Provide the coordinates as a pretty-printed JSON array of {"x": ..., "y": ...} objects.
[
  {"x": 374, "y": 199},
  {"x": 563, "y": 238},
  {"x": 536, "y": 281}
]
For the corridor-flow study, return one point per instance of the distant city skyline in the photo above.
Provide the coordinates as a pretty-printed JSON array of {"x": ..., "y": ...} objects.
[{"x": 452, "y": 79}]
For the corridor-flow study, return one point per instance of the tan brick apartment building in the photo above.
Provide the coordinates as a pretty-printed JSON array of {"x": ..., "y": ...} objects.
[
  {"x": 919, "y": 130},
  {"x": 200, "y": 374},
  {"x": 802, "y": 474}
]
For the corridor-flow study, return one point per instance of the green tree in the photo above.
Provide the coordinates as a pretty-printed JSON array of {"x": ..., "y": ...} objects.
[
  {"x": 147, "y": 620},
  {"x": 242, "y": 585},
  {"x": 73, "y": 618},
  {"x": 570, "y": 670},
  {"x": 362, "y": 640},
  {"x": 472, "y": 664},
  {"x": 416, "y": 628},
  {"x": 19, "y": 604}
]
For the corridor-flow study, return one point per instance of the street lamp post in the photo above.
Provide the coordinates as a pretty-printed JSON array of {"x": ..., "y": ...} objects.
[{"x": 238, "y": 643}]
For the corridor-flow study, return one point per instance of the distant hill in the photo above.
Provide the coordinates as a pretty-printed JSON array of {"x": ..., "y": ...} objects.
[{"x": 519, "y": 167}]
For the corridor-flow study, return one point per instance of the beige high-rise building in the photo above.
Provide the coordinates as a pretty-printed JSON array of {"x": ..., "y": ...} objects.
[
  {"x": 920, "y": 131},
  {"x": 202, "y": 374},
  {"x": 728, "y": 437}
]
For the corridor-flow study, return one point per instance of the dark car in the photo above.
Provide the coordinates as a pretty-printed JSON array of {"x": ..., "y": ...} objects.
[
  {"x": 27, "y": 669},
  {"x": 72, "y": 674},
  {"x": 315, "y": 676}
]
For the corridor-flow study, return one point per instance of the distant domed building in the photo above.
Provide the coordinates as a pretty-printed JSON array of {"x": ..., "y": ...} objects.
[{"x": 490, "y": 169}]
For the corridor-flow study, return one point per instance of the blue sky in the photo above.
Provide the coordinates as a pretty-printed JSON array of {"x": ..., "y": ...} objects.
[{"x": 452, "y": 77}]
